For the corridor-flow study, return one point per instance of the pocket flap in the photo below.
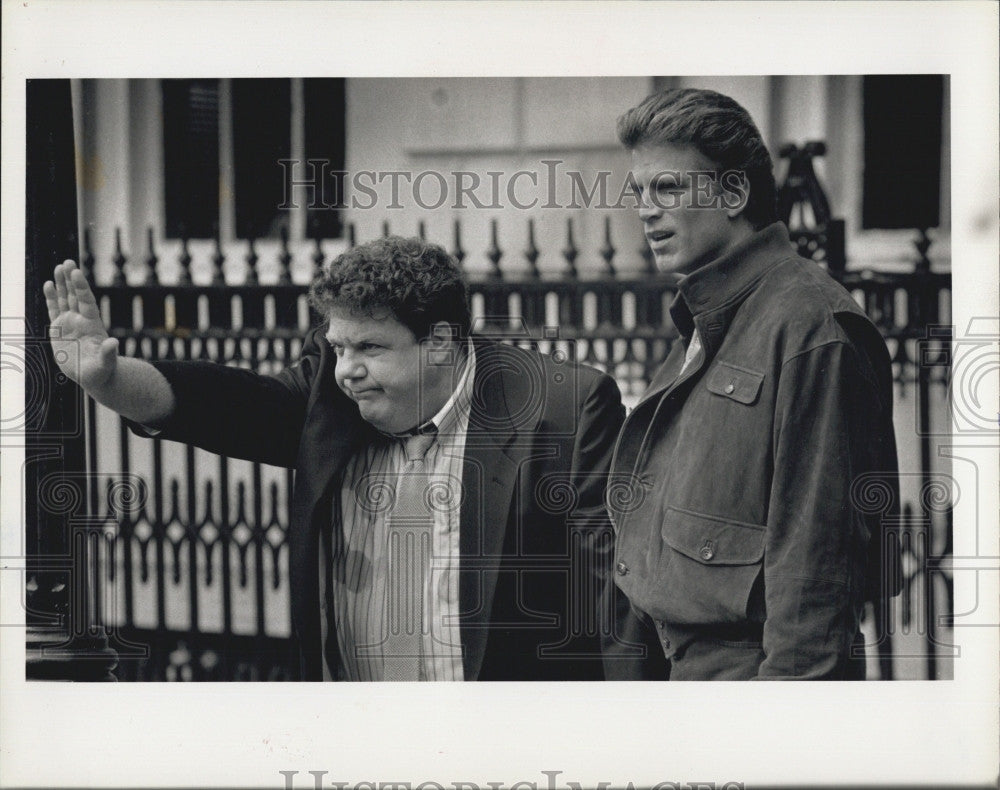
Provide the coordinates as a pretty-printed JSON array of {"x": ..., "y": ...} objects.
[
  {"x": 734, "y": 382},
  {"x": 713, "y": 541}
]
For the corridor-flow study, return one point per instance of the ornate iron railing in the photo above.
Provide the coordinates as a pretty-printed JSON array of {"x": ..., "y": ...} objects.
[{"x": 185, "y": 551}]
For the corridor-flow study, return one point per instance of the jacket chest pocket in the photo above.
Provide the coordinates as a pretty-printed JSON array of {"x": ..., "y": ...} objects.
[
  {"x": 710, "y": 566},
  {"x": 741, "y": 385}
]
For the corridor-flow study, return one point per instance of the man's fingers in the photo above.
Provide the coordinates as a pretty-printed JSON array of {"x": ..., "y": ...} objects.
[
  {"x": 50, "y": 300},
  {"x": 60, "y": 279},
  {"x": 68, "y": 268},
  {"x": 85, "y": 301}
]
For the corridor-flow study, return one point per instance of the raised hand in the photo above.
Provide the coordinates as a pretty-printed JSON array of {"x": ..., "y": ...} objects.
[{"x": 80, "y": 342}]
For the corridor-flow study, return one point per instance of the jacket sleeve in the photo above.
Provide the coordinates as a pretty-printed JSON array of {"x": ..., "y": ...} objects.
[
  {"x": 239, "y": 413},
  {"x": 600, "y": 419},
  {"x": 830, "y": 421}
]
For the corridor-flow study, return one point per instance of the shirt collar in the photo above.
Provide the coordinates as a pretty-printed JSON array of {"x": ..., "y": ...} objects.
[
  {"x": 730, "y": 276},
  {"x": 460, "y": 402}
]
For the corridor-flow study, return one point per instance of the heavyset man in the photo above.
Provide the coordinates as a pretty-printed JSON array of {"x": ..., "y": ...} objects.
[
  {"x": 748, "y": 557},
  {"x": 430, "y": 538}
]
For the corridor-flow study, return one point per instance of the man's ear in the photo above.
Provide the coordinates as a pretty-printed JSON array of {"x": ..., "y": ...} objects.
[
  {"x": 442, "y": 334},
  {"x": 442, "y": 345},
  {"x": 735, "y": 192}
]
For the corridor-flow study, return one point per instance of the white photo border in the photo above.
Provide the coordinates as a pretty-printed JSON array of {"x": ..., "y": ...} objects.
[{"x": 242, "y": 735}]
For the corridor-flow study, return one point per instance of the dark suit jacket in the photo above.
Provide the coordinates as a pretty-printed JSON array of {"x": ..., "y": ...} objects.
[{"x": 535, "y": 540}]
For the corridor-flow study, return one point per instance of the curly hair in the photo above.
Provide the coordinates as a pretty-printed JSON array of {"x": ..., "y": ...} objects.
[
  {"x": 716, "y": 126},
  {"x": 419, "y": 283}
]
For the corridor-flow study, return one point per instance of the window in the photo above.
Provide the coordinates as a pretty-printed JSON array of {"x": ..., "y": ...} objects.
[
  {"x": 230, "y": 135},
  {"x": 191, "y": 157},
  {"x": 902, "y": 160},
  {"x": 324, "y": 140},
  {"x": 261, "y": 129}
]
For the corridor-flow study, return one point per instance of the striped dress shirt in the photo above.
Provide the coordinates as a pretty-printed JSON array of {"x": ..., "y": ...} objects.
[{"x": 359, "y": 547}]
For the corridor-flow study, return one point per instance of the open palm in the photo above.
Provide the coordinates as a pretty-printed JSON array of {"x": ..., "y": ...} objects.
[{"x": 80, "y": 342}]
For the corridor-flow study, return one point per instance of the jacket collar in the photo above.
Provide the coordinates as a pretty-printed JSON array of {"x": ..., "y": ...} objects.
[
  {"x": 727, "y": 280},
  {"x": 504, "y": 394}
]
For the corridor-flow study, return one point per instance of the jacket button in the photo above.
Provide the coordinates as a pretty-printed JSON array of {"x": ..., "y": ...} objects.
[
  {"x": 707, "y": 552},
  {"x": 622, "y": 569},
  {"x": 730, "y": 388}
]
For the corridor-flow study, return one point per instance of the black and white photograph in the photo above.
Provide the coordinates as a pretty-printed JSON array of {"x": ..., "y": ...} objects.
[{"x": 587, "y": 369}]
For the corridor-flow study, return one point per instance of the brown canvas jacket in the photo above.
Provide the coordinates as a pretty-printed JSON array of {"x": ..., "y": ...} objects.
[{"x": 747, "y": 544}]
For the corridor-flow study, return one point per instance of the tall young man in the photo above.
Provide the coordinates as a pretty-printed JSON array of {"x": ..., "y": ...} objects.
[{"x": 749, "y": 557}]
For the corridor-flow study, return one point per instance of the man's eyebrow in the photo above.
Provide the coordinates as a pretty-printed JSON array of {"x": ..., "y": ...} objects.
[
  {"x": 369, "y": 337},
  {"x": 672, "y": 178}
]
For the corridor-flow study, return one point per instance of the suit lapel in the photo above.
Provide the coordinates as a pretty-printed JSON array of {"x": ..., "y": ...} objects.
[
  {"x": 492, "y": 459},
  {"x": 334, "y": 431}
]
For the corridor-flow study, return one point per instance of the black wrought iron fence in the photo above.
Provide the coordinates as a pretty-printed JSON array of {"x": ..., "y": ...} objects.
[{"x": 187, "y": 555}]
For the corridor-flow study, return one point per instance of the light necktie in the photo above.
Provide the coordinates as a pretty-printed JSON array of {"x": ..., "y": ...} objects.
[{"x": 410, "y": 526}]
